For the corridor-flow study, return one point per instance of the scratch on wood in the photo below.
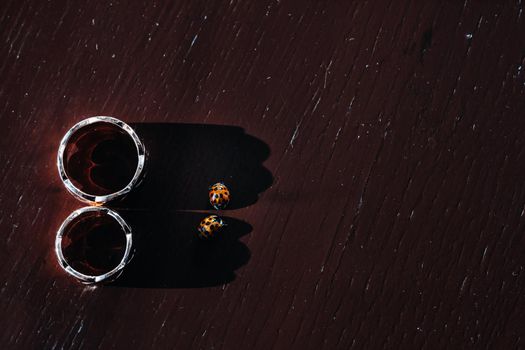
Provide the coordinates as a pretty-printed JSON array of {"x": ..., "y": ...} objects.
[{"x": 294, "y": 136}]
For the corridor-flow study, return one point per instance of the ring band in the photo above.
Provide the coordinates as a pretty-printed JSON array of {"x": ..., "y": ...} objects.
[
  {"x": 76, "y": 217},
  {"x": 89, "y": 127}
]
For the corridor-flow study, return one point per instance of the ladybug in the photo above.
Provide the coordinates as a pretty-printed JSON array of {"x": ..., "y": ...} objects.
[
  {"x": 209, "y": 226},
  {"x": 219, "y": 195}
]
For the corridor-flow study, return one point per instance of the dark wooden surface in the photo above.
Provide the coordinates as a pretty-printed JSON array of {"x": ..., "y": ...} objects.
[{"x": 375, "y": 147}]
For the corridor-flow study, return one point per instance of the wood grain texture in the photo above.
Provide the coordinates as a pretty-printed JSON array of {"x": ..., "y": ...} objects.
[{"x": 383, "y": 206}]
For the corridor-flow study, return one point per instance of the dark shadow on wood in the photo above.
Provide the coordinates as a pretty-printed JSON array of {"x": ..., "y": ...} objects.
[
  {"x": 170, "y": 255},
  {"x": 185, "y": 159}
]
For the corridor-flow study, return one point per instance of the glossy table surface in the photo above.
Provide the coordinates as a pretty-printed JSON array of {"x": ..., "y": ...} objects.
[{"x": 374, "y": 149}]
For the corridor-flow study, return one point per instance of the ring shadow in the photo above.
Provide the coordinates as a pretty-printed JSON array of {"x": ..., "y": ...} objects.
[
  {"x": 183, "y": 161},
  {"x": 170, "y": 255}
]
